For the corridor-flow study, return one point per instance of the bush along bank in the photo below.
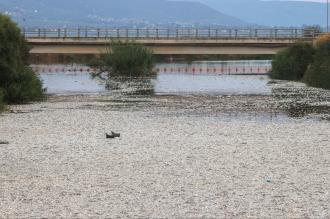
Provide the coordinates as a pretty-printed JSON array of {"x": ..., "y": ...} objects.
[
  {"x": 19, "y": 84},
  {"x": 305, "y": 62},
  {"x": 126, "y": 59},
  {"x": 318, "y": 75},
  {"x": 292, "y": 62}
]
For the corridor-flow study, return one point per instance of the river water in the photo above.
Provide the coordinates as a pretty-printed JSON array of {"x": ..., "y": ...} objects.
[
  {"x": 239, "y": 88},
  {"x": 221, "y": 77},
  {"x": 164, "y": 83}
]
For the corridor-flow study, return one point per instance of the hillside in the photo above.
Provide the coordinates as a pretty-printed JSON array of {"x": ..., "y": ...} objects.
[
  {"x": 114, "y": 13},
  {"x": 272, "y": 13}
]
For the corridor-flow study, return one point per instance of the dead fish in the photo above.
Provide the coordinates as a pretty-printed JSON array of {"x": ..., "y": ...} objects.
[
  {"x": 4, "y": 142},
  {"x": 112, "y": 135}
]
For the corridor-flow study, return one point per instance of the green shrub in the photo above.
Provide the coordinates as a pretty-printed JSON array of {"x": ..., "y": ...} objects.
[
  {"x": 318, "y": 75},
  {"x": 27, "y": 87},
  {"x": 292, "y": 63},
  {"x": 127, "y": 59},
  {"x": 18, "y": 81}
]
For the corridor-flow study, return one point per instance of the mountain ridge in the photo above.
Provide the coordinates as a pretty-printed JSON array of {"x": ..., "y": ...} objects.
[
  {"x": 272, "y": 13},
  {"x": 115, "y": 13}
]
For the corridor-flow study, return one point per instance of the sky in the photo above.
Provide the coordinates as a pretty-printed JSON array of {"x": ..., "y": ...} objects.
[
  {"x": 312, "y": 0},
  {"x": 323, "y": 1}
]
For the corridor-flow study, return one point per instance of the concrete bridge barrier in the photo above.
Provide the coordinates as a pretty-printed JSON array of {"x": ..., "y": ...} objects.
[{"x": 167, "y": 41}]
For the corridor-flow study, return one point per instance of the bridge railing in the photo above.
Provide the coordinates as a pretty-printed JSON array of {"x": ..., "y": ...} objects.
[{"x": 169, "y": 33}]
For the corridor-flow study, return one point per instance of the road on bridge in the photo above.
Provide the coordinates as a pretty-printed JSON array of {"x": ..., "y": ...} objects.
[{"x": 167, "y": 41}]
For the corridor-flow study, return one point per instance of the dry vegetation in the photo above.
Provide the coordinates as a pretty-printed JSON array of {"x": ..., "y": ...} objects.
[{"x": 321, "y": 40}]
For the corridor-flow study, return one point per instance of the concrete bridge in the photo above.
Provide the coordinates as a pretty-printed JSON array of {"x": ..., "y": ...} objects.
[{"x": 167, "y": 41}]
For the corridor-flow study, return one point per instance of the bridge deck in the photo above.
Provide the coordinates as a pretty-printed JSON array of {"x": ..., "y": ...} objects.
[
  {"x": 164, "y": 46},
  {"x": 180, "y": 41},
  {"x": 167, "y": 42}
]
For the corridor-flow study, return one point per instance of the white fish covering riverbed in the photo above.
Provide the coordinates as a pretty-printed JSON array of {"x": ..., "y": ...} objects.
[{"x": 168, "y": 163}]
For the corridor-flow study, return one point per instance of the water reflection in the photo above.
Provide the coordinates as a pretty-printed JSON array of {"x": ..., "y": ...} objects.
[{"x": 217, "y": 67}]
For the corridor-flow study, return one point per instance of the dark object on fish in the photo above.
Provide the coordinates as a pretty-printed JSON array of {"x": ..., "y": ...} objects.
[
  {"x": 113, "y": 135},
  {"x": 4, "y": 142}
]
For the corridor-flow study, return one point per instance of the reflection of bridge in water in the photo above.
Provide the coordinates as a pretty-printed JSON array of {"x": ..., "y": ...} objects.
[
  {"x": 200, "y": 67},
  {"x": 218, "y": 67},
  {"x": 167, "y": 41}
]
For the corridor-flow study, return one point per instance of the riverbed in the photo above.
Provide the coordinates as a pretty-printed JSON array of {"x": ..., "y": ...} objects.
[{"x": 249, "y": 147}]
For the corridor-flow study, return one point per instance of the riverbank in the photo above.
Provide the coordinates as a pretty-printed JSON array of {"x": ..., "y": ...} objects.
[{"x": 218, "y": 156}]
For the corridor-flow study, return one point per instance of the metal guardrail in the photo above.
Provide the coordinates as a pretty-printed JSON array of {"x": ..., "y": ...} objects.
[{"x": 276, "y": 33}]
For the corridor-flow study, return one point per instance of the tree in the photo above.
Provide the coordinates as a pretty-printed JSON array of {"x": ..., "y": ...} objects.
[
  {"x": 318, "y": 75},
  {"x": 292, "y": 63},
  {"x": 127, "y": 59},
  {"x": 18, "y": 82}
]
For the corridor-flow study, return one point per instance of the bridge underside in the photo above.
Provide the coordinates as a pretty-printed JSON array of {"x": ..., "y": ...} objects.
[
  {"x": 165, "y": 46},
  {"x": 162, "y": 50}
]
